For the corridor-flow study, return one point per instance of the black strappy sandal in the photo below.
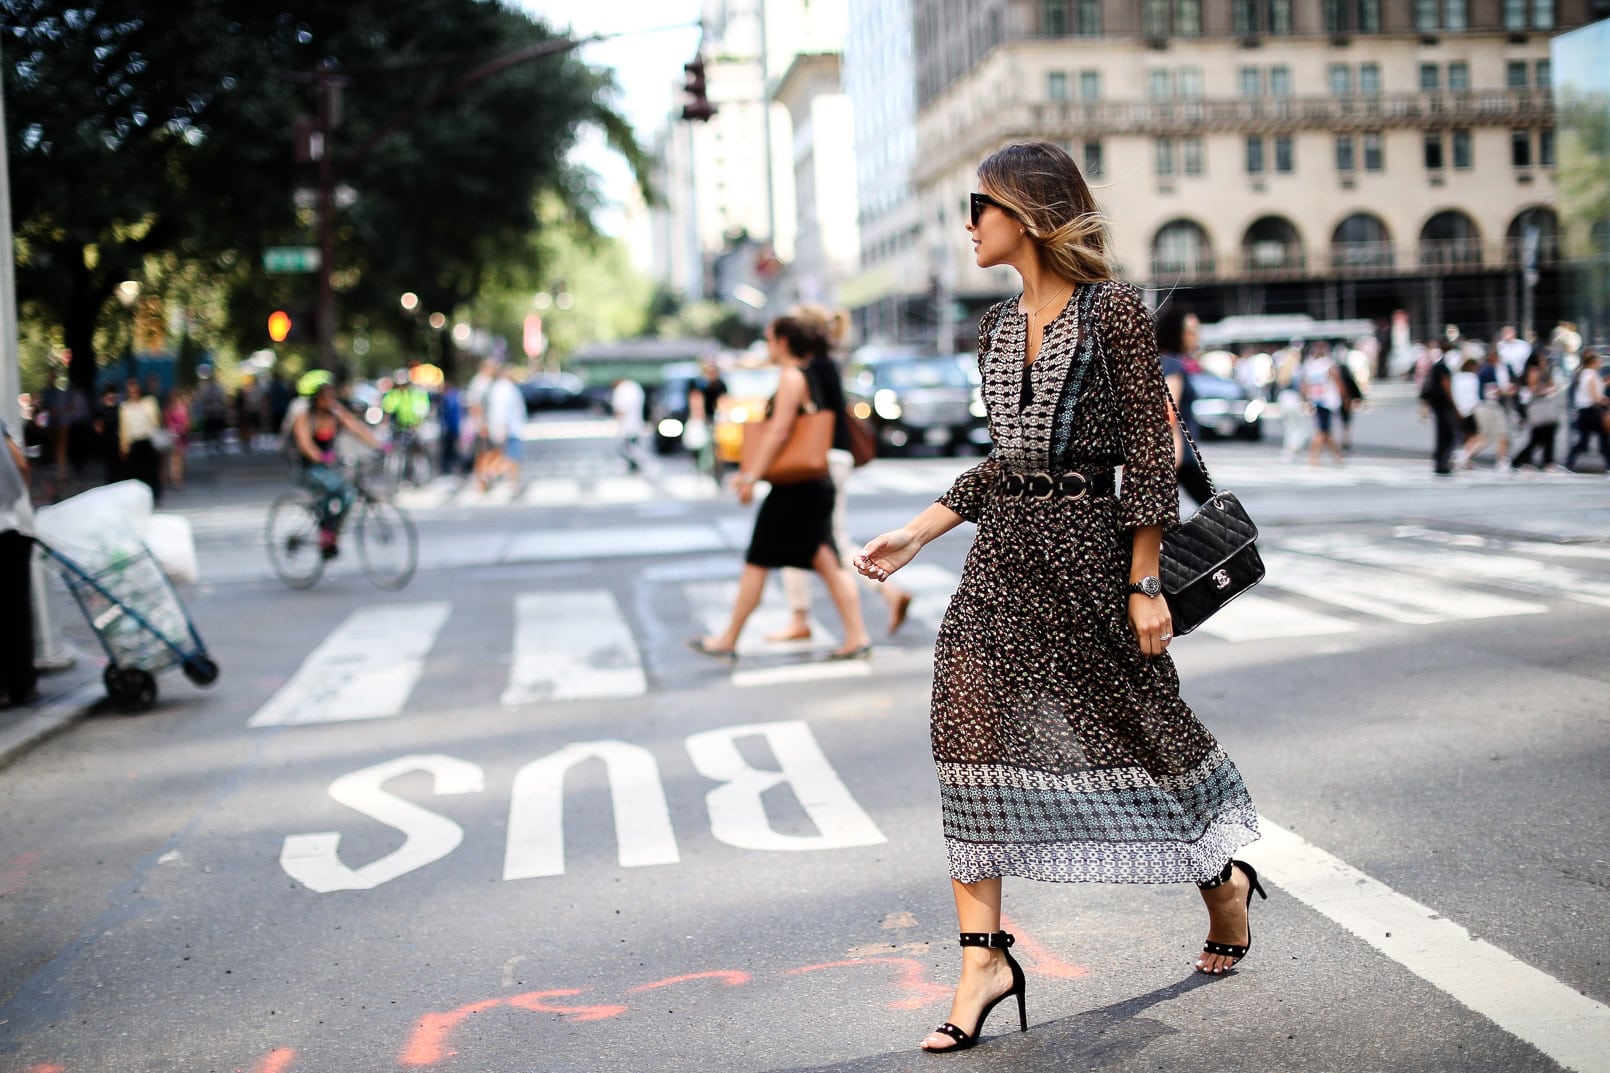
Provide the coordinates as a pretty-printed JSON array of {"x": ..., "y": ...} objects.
[
  {"x": 1002, "y": 941},
  {"x": 1231, "y": 950}
]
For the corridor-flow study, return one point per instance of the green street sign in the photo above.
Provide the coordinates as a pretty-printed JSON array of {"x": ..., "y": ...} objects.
[{"x": 285, "y": 260}]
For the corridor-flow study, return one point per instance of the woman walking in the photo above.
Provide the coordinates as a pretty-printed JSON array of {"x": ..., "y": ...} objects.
[
  {"x": 138, "y": 419},
  {"x": 1540, "y": 397},
  {"x": 1063, "y": 749},
  {"x": 794, "y": 526},
  {"x": 1588, "y": 405}
]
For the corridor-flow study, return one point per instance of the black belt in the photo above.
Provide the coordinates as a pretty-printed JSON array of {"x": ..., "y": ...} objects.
[{"x": 1070, "y": 485}]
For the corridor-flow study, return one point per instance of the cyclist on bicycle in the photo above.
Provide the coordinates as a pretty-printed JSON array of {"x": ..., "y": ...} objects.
[
  {"x": 314, "y": 432},
  {"x": 407, "y": 404}
]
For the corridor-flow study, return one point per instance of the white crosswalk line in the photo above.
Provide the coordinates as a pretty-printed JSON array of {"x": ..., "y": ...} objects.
[
  {"x": 569, "y": 646},
  {"x": 931, "y": 588},
  {"x": 1388, "y": 594},
  {"x": 365, "y": 669},
  {"x": 1252, "y": 617},
  {"x": 553, "y": 492},
  {"x": 709, "y": 604},
  {"x": 622, "y": 490},
  {"x": 1512, "y": 572},
  {"x": 613, "y": 542}
]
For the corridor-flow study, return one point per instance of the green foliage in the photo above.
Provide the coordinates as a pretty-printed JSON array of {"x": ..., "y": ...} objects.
[{"x": 148, "y": 140}]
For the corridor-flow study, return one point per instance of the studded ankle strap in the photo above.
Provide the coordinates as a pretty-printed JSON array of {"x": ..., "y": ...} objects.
[
  {"x": 995, "y": 940},
  {"x": 1224, "y": 877}
]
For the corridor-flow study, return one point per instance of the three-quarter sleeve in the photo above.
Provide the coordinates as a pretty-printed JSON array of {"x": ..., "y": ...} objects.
[
  {"x": 968, "y": 492},
  {"x": 1150, "y": 494}
]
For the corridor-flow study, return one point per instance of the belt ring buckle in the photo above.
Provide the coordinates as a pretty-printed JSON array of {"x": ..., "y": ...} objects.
[
  {"x": 1074, "y": 476},
  {"x": 1012, "y": 484},
  {"x": 1041, "y": 485}
]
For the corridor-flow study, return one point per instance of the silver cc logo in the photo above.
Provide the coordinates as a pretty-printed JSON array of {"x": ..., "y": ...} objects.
[{"x": 1221, "y": 579}]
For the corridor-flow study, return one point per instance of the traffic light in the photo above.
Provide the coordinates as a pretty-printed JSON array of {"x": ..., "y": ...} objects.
[
  {"x": 279, "y": 325},
  {"x": 698, "y": 108}
]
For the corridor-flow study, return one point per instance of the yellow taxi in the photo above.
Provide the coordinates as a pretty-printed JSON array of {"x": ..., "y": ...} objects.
[{"x": 749, "y": 387}]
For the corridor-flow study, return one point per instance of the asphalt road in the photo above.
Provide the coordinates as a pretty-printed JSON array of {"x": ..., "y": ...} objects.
[{"x": 504, "y": 820}]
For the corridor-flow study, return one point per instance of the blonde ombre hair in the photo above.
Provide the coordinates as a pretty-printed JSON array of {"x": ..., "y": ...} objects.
[{"x": 1041, "y": 185}]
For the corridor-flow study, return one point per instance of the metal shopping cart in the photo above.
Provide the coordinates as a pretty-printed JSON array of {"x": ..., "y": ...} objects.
[{"x": 136, "y": 614}]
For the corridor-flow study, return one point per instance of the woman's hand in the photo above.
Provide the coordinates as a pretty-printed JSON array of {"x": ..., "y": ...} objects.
[
  {"x": 1153, "y": 626},
  {"x": 744, "y": 485},
  {"x": 886, "y": 553}
]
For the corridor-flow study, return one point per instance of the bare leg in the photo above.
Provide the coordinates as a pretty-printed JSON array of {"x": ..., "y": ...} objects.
[
  {"x": 797, "y": 587},
  {"x": 750, "y": 586},
  {"x": 845, "y": 598},
  {"x": 985, "y": 975}
]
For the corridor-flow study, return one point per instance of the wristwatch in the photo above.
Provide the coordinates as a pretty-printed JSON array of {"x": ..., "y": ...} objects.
[{"x": 1147, "y": 586}]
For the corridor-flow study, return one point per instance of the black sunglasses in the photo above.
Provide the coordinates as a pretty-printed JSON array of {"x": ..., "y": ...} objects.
[{"x": 976, "y": 203}]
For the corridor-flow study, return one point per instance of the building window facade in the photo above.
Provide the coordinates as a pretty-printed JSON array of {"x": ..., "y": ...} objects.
[
  {"x": 1280, "y": 81},
  {"x": 1516, "y": 74},
  {"x": 1545, "y": 147},
  {"x": 1459, "y": 77},
  {"x": 1087, "y": 18},
  {"x": 1341, "y": 80},
  {"x": 1345, "y": 162},
  {"x": 1154, "y": 18},
  {"x": 1159, "y": 85},
  {"x": 1430, "y": 77},
  {"x": 1520, "y": 148},
  {"x": 1285, "y": 163},
  {"x": 1090, "y": 85},
  {"x": 1464, "y": 153},
  {"x": 1181, "y": 248},
  {"x": 1361, "y": 241},
  {"x": 1374, "y": 151},
  {"x": 1163, "y": 154},
  {"x": 1092, "y": 160},
  {"x": 1191, "y": 151},
  {"x": 1346, "y": 16},
  {"x": 1056, "y": 86},
  {"x": 1190, "y": 83},
  {"x": 1369, "y": 79},
  {"x": 1251, "y": 82},
  {"x": 1254, "y": 155},
  {"x": 1433, "y": 150},
  {"x": 1054, "y": 18},
  {"x": 1542, "y": 14},
  {"x": 1545, "y": 74}
]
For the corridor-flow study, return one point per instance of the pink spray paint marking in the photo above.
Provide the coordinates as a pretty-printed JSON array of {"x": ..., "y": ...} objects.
[
  {"x": 912, "y": 979},
  {"x": 276, "y": 1061},
  {"x": 1038, "y": 959},
  {"x": 428, "y": 1044},
  {"x": 730, "y": 977}
]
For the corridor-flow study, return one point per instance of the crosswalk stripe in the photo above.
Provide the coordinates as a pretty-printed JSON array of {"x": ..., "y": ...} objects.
[
  {"x": 365, "y": 669},
  {"x": 612, "y": 542},
  {"x": 1512, "y": 572},
  {"x": 1387, "y": 594},
  {"x": 570, "y": 646},
  {"x": 710, "y": 605},
  {"x": 1252, "y": 617},
  {"x": 553, "y": 492}
]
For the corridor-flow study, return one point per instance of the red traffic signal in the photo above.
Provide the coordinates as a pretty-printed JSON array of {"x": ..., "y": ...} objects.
[
  {"x": 279, "y": 325},
  {"x": 698, "y": 107}
]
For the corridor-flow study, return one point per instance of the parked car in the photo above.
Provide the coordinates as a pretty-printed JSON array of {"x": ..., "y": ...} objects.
[
  {"x": 668, "y": 406},
  {"x": 916, "y": 400},
  {"x": 554, "y": 391},
  {"x": 1225, "y": 409},
  {"x": 744, "y": 404}
]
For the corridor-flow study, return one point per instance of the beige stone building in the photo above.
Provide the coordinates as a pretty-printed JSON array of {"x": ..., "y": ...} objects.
[{"x": 1341, "y": 158}]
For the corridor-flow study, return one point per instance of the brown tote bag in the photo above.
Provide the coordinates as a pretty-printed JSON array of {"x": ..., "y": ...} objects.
[{"x": 803, "y": 457}]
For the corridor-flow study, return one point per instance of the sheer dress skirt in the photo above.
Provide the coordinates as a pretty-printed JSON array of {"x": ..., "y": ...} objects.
[{"x": 1063, "y": 752}]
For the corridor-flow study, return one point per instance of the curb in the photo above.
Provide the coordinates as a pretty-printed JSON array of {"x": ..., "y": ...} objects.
[{"x": 48, "y": 720}]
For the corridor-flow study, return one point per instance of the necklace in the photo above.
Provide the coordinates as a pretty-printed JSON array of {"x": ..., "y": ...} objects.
[{"x": 1047, "y": 302}]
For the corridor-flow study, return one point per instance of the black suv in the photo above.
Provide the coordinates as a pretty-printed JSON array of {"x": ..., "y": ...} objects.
[{"x": 916, "y": 400}]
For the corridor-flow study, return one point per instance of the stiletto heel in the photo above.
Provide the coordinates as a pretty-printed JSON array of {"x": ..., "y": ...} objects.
[
  {"x": 1002, "y": 941},
  {"x": 1233, "y": 950}
]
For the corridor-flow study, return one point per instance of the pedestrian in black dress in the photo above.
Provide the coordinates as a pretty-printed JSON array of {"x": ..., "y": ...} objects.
[
  {"x": 795, "y": 523},
  {"x": 1063, "y": 749}
]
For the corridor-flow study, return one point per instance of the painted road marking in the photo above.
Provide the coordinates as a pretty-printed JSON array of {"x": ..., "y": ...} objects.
[
  {"x": 1388, "y": 594},
  {"x": 614, "y": 542},
  {"x": 709, "y": 604},
  {"x": 1512, "y": 572},
  {"x": 365, "y": 669},
  {"x": 569, "y": 646},
  {"x": 1252, "y": 617},
  {"x": 1568, "y": 1027}
]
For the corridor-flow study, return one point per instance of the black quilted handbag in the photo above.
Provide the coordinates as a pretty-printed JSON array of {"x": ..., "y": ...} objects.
[{"x": 1210, "y": 558}]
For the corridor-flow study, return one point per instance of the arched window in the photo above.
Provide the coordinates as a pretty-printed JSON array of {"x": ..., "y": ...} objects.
[
  {"x": 1181, "y": 250},
  {"x": 1450, "y": 240},
  {"x": 1361, "y": 241},
  {"x": 1271, "y": 244},
  {"x": 1539, "y": 220}
]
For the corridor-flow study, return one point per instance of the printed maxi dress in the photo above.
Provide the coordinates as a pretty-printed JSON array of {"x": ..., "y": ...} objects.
[{"x": 1063, "y": 752}]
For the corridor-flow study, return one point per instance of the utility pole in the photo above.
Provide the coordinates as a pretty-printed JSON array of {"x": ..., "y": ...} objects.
[
  {"x": 10, "y": 368},
  {"x": 328, "y": 87}
]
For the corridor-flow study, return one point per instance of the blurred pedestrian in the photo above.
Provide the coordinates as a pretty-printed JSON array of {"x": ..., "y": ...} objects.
[
  {"x": 212, "y": 412},
  {"x": 1178, "y": 332},
  {"x": 704, "y": 403},
  {"x": 18, "y": 679},
  {"x": 1063, "y": 748},
  {"x": 1294, "y": 421},
  {"x": 1588, "y": 404},
  {"x": 475, "y": 417},
  {"x": 450, "y": 414},
  {"x": 1495, "y": 393},
  {"x": 138, "y": 423},
  {"x": 176, "y": 418},
  {"x": 840, "y": 467},
  {"x": 1351, "y": 394},
  {"x": 627, "y": 401},
  {"x": 107, "y": 437},
  {"x": 794, "y": 526},
  {"x": 1322, "y": 391},
  {"x": 1465, "y": 386},
  {"x": 505, "y": 428},
  {"x": 1436, "y": 395},
  {"x": 1538, "y": 397}
]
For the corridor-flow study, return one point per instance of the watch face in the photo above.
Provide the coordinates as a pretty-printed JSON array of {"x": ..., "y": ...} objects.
[{"x": 1150, "y": 586}]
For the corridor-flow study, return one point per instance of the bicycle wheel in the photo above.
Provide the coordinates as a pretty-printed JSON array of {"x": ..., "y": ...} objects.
[
  {"x": 387, "y": 544},
  {"x": 293, "y": 540}
]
